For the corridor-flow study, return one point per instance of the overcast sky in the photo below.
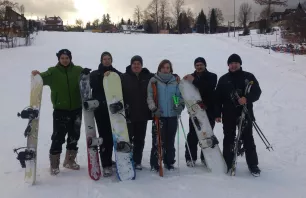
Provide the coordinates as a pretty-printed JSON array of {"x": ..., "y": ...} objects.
[{"x": 69, "y": 10}]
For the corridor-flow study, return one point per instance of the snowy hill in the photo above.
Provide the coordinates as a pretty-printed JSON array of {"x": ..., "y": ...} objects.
[{"x": 280, "y": 113}]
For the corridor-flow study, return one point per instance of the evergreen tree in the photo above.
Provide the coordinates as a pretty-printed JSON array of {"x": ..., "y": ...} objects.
[{"x": 213, "y": 23}]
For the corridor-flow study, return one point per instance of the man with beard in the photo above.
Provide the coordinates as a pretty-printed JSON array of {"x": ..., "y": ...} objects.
[
  {"x": 206, "y": 82},
  {"x": 230, "y": 111},
  {"x": 101, "y": 113}
]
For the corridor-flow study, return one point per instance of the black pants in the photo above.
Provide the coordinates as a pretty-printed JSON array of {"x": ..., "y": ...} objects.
[
  {"x": 137, "y": 134},
  {"x": 168, "y": 127},
  {"x": 193, "y": 141},
  {"x": 229, "y": 130},
  {"x": 65, "y": 122},
  {"x": 105, "y": 132}
]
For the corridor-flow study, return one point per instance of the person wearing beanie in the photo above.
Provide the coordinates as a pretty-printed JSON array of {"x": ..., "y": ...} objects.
[
  {"x": 101, "y": 113},
  {"x": 134, "y": 85},
  {"x": 206, "y": 82},
  {"x": 63, "y": 80},
  {"x": 235, "y": 80}
]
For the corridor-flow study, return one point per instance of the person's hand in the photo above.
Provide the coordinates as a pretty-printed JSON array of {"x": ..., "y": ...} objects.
[
  {"x": 107, "y": 73},
  {"x": 157, "y": 112},
  {"x": 218, "y": 120},
  {"x": 178, "y": 79},
  {"x": 35, "y": 72},
  {"x": 242, "y": 101},
  {"x": 189, "y": 77}
]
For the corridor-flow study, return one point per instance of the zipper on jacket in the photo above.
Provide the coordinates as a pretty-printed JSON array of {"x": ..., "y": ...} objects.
[{"x": 68, "y": 89}]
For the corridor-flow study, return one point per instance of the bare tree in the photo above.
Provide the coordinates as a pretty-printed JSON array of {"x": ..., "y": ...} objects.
[
  {"x": 4, "y": 3},
  {"x": 178, "y": 8},
  {"x": 22, "y": 9},
  {"x": 152, "y": 12},
  {"x": 164, "y": 14},
  {"x": 269, "y": 4},
  {"x": 244, "y": 14},
  {"x": 264, "y": 14},
  {"x": 138, "y": 14},
  {"x": 304, "y": 5},
  {"x": 219, "y": 15},
  {"x": 190, "y": 17},
  {"x": 79, "y": 22}
]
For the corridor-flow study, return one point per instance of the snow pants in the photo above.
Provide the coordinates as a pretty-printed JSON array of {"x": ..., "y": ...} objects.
[
  {"x": 193, "y": 141},
  {"x": 168, "y": 127},
  {"x": 65, "y": 122},
  {"x": 105, "y": 132},
  {"x": 137, "y": 134},
  {"x": 229, "y": 130}
]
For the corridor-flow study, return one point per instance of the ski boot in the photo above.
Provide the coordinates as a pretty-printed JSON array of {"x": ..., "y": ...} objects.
[
  {"x": 107, "y": 171},
  {"x": 138, "y": 167},
  {"x": 255, "y": 171},
  {"x": 190, "y": 163},
  {"x": 70, "y": 162}
]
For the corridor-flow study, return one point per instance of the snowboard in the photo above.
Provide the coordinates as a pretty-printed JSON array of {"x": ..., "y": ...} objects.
[
  {"x": 122, "y": 146},
  {"x": 208, "y": 142},
  {"x": 28, "y": 157},
  {"x": 92, "y": 141}
]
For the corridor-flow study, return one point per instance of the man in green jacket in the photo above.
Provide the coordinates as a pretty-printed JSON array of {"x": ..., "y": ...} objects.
[{"x": 63, "y": 80}]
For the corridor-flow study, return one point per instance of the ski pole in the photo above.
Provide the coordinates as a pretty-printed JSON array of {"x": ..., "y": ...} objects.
[
  {"x": 186, "y": 141},
  {"x": 176, "y": 103}
]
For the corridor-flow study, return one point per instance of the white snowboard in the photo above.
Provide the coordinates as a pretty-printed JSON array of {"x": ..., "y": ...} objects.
[{"x": 213, "y": 156}]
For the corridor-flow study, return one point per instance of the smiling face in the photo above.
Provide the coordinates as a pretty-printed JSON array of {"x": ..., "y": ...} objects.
[
  {"x": 200, "y": 67},
  {"x": 64, "y": 60},
  {"x": 136, "y": 67}
]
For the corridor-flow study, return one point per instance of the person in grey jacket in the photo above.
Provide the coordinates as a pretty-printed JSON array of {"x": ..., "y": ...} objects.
[{"x": 166, "y": 111}]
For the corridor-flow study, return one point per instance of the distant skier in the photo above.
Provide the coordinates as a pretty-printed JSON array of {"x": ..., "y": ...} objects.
[
  {"x": 63, "y": 80},
  {"x": 206, "y": 82},
  {"x": 101, "y": 113},
  {"x": 226, "y": 109},
  {"x": 134, "y": 84},
  {"x": 167, "y": 87}
]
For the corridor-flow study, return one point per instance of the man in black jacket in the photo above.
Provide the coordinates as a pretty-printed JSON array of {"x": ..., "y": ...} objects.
[
  {"x": 230, "y": 111},
  {"x": 134, "y": 84},
  {"x": 206, "y": 82},
  {"x": 101, "y": 113}
]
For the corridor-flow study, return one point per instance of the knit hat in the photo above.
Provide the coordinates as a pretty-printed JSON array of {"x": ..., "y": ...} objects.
[
  {"x": 106, "y": 54},
  {"x": 136, "y": 58},
  {"x": 64, "y": 51},
  {"x": 200, "y": 60},
  {"x": 234, "y": 58}
]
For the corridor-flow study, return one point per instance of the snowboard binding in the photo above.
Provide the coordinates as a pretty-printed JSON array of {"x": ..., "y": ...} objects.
[
  {"x": 31, "y": 114},
  {"x": 24, "y": 156},
  {"x": 94, "y": 142},
  {"x": 210, "y": 142},
  {"x": 91, "y": 104},
  {"x": 116, "y": 107},
  {"x": 124, "y": 147}
]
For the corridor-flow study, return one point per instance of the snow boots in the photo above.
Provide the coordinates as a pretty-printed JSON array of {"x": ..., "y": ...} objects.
[
  {"x": 54, "y": 164},
  {"x": 70, "y": 162}
]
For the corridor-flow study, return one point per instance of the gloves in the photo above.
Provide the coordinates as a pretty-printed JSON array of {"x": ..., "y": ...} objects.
[
  {"x": 178, "y": 110},
  {"x": 157, "y": 112},
  {"x": 86, "y": 71}
]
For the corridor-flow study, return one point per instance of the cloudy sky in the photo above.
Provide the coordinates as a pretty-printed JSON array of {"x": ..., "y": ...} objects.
[{"x": 88, "y": 10}]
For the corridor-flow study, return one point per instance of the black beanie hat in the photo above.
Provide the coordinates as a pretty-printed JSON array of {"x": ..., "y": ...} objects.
[
  {"x": 234, "y": 58},
  {"x": 64, "y": 51},
  {"x": 200, "y": 60},
  {"x": 136, "y": 58},
  {"x": 106, "y": 54}
]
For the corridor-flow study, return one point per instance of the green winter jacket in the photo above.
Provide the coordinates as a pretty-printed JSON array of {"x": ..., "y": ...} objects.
[{"x": 64, "y": 85}]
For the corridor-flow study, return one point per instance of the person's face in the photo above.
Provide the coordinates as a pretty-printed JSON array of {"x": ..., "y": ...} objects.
[
  {"x": 106, "y": 61},
  {"x": 136, "y": 67},
  {"x": 200, "y": 67},
  {"x": 234, "y": 66},
  {"x": 165, "y": 69},
  {"x": 64, "y": 60}
]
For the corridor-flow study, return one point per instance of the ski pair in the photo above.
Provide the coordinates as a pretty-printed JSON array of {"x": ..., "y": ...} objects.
[
  {"x": 244, "y": 118},
  {"x": 122, "y": 146}
]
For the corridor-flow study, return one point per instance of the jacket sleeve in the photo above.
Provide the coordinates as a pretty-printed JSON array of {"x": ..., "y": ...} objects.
[
  {"x": 182, "y": 101},
  {"x": 150, "y": 99},
  {"x": 255, "y": 91},
  {"x": 47, "y": 77},
  {"x": 218, "y": 99}
]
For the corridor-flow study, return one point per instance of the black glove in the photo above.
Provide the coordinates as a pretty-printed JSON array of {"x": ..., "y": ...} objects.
[
  {"x": 86, "y": 71},
  {"x": 156, "y": 112}
]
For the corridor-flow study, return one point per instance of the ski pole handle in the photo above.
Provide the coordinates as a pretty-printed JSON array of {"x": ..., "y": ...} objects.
[{"x": 175, "y": 100}]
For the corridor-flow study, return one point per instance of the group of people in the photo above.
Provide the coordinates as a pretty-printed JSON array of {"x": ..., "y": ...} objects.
[{"x": 63, "y": 80}]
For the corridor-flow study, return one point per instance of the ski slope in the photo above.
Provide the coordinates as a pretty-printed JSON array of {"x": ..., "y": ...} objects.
[{"x": 280, "y": 113}]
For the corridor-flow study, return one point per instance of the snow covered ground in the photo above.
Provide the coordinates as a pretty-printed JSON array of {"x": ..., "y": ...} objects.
[{"x": 280, "y": 113}]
